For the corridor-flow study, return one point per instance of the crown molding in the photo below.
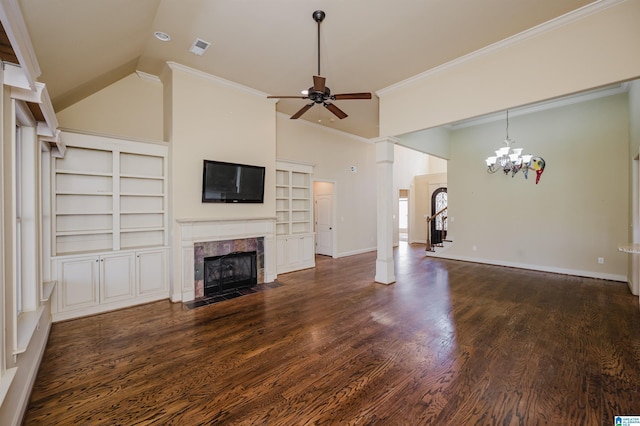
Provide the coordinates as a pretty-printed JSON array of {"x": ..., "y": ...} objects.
[
  {"x": 149, "y": 77},
  {"x": 545, "y": 105},
  {"x": 218, "y": 80},
  {"x": 16, "y": 30},
  {"x": 545, "y": 27}
]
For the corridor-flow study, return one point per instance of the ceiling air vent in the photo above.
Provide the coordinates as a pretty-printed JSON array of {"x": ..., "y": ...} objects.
[{"x": 199, "y": 46}]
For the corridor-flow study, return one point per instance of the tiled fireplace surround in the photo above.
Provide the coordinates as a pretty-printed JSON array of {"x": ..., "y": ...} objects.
[{"x": 200, "y": 238}]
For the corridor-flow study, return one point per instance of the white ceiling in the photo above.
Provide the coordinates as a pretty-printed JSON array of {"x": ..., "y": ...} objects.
[{"x": 271, "y": 46}]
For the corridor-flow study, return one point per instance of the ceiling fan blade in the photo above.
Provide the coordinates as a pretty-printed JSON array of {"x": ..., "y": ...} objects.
[
  {"x": 287, "y": 97},
  {"x": 318, "y": 83},
  {"x": 344, "y": 96},
  {"x": 337, "y": 111},
  {"x": 301, "y": 111}
]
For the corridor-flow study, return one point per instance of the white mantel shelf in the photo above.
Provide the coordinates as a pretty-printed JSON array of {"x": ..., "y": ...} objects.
[
  {"x": 197, "y": 230},
  {"x": 630, "y": 248},
  {"x": 224, "y": 219}
]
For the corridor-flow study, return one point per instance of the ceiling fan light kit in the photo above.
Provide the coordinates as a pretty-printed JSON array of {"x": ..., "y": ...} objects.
[{"x": 319, "y": 93}]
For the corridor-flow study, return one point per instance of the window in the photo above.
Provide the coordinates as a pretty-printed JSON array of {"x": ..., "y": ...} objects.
[{"x": 18, "y": 207}]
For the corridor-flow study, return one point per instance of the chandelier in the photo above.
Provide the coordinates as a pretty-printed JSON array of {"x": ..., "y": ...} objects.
[{"x": 511, "y": 160}]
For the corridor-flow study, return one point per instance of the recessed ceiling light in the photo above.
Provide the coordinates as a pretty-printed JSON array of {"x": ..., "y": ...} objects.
[{"x": 162, "y": 36}]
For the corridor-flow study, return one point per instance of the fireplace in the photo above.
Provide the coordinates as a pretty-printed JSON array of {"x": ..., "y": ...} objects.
[
  {"x": 202, "y": 238},
  {"x": 230, "y": 272}
]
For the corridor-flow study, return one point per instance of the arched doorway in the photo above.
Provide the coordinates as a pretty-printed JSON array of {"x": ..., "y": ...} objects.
[{"x": 439, "y": 224}]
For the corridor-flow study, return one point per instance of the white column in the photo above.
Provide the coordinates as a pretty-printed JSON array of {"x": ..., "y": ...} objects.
[{"x": 385, "y": 273}]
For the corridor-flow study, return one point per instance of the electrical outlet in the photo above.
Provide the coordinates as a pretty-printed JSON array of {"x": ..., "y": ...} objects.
[
  {"x": 353, "y": 169},
  {"x": 474, "y": 248},
  {"x": 601, "y": 260}
]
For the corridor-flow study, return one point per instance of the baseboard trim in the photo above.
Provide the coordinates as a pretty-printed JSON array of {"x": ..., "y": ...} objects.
[
  {"x": 565, "y": 271},
  {"x": 355, "y": 252}
]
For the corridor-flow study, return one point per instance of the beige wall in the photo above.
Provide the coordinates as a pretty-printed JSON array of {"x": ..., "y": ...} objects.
[
  {"x": 433, "y": 141},
  {"x": 577, "y": 213},
  {"x": 425, "y": 186},
  {"x": 333, "y": 153},
  {"x": 634, "y": 115},
  {"x": 634, "y": 186},
  {"x": 213, "y": 120},
  {"x": 131, "y": 107},
  {"x": 407, "y": 163},
  {"x": 595, "y": 50}
]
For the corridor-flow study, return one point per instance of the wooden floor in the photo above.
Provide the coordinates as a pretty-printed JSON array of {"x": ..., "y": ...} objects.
[{"x": 450, "y": 343}]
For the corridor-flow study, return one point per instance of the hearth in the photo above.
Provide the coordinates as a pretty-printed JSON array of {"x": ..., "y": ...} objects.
[{"x": 230, "y": 272}]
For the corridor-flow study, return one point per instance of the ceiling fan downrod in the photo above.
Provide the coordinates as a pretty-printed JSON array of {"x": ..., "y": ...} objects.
[
  {"x": 318, "y": 16},
  {"x": 319, "y": 93}
]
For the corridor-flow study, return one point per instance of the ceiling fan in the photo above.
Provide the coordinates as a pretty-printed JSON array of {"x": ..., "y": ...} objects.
[{"x": 319, "y": 93}]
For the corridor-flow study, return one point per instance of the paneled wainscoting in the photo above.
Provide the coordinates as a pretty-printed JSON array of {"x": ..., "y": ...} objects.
[{"x": 450, "y": 343}]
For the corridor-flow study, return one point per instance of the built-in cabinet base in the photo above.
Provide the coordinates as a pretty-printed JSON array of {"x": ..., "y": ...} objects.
[
  {"x": 295, "y": 252},
  {"x": 94, "y": 283}
]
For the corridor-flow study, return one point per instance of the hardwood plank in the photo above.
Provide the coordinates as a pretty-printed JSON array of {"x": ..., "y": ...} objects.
[{"x": 449, "y": 343}]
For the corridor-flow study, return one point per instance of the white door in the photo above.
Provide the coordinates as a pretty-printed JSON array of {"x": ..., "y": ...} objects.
[{"x": 324, "y": 224}]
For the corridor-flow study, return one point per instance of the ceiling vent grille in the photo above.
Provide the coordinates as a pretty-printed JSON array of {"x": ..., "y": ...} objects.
[{"x": 199, "y": 46}]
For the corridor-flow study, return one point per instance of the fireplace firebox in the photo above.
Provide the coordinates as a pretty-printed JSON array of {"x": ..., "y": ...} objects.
[{"x": 230, "y": 272}]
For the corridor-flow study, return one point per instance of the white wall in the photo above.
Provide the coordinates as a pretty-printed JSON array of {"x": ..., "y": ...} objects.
[
  {"x": 131, "y": 107},
  {"x": 577, "y": 213},
  {"x": 333, "y": 153}
]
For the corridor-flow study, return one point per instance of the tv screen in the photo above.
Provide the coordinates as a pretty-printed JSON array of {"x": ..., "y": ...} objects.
[{"x": 232, "y": 183}]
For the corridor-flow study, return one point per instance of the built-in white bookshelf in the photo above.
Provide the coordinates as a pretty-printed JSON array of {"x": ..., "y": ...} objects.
[
  {"x": 295, "y": 242},
  {"x": 293, "y": 199},
  {"x": 110, "y": 199},
  {"x": 83, "y": 201},
  {"x": 110, "y": 232},
  {"x": 142, "y": 200}
]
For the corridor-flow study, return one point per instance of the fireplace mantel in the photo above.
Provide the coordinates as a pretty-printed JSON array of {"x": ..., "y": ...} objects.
[{"x": 191, "y": 231}]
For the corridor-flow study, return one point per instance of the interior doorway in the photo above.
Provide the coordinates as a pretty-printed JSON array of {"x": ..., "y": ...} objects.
[
  {"x": 323, "y": 202},
  {"x": 403, "y": 215},
  {"x": 439, "y": 224}
]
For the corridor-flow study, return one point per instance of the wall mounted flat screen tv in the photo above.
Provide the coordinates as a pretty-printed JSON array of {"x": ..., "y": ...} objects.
[{"x": 232, "y": 183}]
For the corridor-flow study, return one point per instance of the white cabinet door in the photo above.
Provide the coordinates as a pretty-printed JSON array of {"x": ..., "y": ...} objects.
[
  {"x": 307, "y": 251},
  {"x": 78, "y": 283},
  {"x": 293, "y": 251},
  {"x": 116, "y": 277},
  {"x": 151, "y": 272}
]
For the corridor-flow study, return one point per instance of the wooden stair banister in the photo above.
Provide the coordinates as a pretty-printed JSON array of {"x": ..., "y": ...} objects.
[{"x": 429, "y": 219}]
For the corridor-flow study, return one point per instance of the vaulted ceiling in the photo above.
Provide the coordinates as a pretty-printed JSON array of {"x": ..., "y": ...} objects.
[{"x": 84, "y": 45}]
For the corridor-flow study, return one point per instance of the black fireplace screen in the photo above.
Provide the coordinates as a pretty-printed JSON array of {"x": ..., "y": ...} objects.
[{"x": 230, "y": 272}]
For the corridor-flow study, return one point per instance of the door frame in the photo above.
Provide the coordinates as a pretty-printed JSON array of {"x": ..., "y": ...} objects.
[{"x": 334, "y": 223}]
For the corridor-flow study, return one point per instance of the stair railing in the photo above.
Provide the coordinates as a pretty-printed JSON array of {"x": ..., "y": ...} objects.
[{"x": 429, "y": 220}]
